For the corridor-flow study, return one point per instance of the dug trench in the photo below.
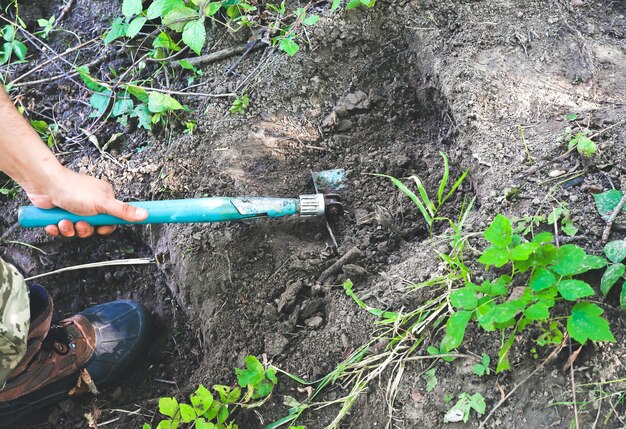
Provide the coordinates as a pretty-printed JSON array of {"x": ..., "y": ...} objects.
[{"x": 382, "y": 91}]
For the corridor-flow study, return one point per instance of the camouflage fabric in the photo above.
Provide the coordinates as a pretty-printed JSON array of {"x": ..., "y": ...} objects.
[{"x": 14, "y": 319}]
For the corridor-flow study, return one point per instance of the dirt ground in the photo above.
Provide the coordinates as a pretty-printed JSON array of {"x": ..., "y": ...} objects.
[{"x": 379, "y": 91}]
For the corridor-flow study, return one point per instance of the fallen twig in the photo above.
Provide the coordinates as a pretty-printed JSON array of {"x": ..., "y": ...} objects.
[
  {"x": 336, "y": 267},
  {"x": 609, "y": 222},
  {"x": 134, "y": 261},
  {"x": 65, "y": 10},
  {"x": 222, "y": 54}
]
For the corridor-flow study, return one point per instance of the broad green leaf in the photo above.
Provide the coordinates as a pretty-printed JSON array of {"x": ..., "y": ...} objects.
[
  {"x": 585, "y": 324},
  {"x": 222, "y": 415},
  {"x": 194, "y": 35},
  {"x": 543, "y": 237},
  {"x": 539, "y": 310},
  {"x": 464, "y": 298},
  {"x": 494, "y": 256},
  {"x": 140, "y": 93},
  {"x": 163, "y": 40},
  {"x": 611, "y": 276},
  {"x": 503, "y": 354},
  {"x": 201, "y": 423},
  {"x": 502, "y": 313},
  {"x": 253, "y": 374},
  {"x": 585, "y": 145},
  {"x": 567, "y": 260},
  {"x": 270, "y": 373},
  {"x": 545, "y": 254},
  {"x": 311, "y": 20},
  {"x": 335, "y": 5},
  {"x": 523, "y": 251},
  {"x": 19, "y": 49},
  {"x": 159, "y": 103},
  {"x": 568, "y": 227},
  {"x": 131, "y": 7},
  {"x": 542, "y": 279},
  {"x": 100, "y": 101},
  {"x": 135, "y": 26},
  {"x": 177, "y": 18},
  {"x": 155, "y": 9},
  {"x": 168, "y": 424},
  {"x": 289, "y": 46},
  {"x": 353, "y": 4},
  {"x": 187, "y": 414},
  {"x": 143, "y": 115},
  {"x": 212, "y": 8},
  {"x": 591, "y": 262},
  {"x": 118, "y": 29},
  {"x": 40, "y": 126},
  {"x": 499, "y": 232},
  {"x": 201, "y": 400},
  {"x": 168, "y": 406},
  {"x": 431, "y": 378},
  {"x": 477, "y": 402},
  {"x": 455, "y": 330},
  {"x": 615, "y": 250},
  {"x": 572, "y": 290},
  {"x": 606, "y": 202},
  {"x": 90, "y": 82},
  {"x": 122, "y": 106}
]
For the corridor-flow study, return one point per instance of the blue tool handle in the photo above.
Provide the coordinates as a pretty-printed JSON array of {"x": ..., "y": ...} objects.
[{"x": 215, "y": 209}]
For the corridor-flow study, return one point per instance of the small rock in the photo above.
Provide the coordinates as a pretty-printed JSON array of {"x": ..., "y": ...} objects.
[
  {"x": 355, "y": 101},
  {"x": 288, "y": 297},
  {"x": 310, "y": 307},
  {"x": 275, "y": 343},
  {"x": 344, "y": 125},
  {"x": 354, "y": 271},
  {"x": 314, "y": 322},
  {"x": 556, "y": 173}
]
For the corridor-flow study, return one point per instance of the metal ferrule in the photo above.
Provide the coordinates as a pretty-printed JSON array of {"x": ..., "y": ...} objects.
[{"x": 312, "y": 205}]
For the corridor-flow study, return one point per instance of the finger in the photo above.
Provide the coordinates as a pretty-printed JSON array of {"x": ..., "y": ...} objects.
[
  {"x": 124, "y": 211},
  {"x": 66, "y": 228},
  {"x": 83, "y": 229},
  {"x": 105, "y": 230},
  {"x": 53, "y": 230}
]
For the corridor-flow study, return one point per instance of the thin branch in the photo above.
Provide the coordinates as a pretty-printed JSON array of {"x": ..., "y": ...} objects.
[
  {"x": 135, "y": 261},
  {"x": 609, "y": 223}
]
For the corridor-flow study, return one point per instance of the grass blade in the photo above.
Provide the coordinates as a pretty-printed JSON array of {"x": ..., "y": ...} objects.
[
  {"x": 411, "y": 195},
  {"x": 444, "y": 179},
  {"x": 456, "y": 185},
  {"x": 422, "y": 190}
]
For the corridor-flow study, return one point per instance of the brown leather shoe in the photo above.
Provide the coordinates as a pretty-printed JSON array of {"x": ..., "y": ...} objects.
[{"x": 65, "y": 349}]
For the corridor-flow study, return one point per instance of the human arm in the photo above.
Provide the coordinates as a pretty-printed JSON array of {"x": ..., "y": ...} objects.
[{"x": 28, "y": 161}]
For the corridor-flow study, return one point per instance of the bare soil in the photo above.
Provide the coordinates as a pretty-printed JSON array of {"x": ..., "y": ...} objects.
[{"x": 382, "y": 90}]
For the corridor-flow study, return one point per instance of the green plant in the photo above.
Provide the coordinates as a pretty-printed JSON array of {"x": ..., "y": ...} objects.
[
  {"x": 482, "y": 368},
  {"x": 46, "y": 26},
  {"x": 431, "y": 379},
  {"x": 466, "y": 403},
  {"x": 190, "y": 127},
  {"x": 546, "y": 273},
  {"x": 11, "y": 46},
  {"x": 578, "y": 138},
  {"x": 206, "y": 411},
  {"x": 354, "y": 4},
  {"x": 240, "y": 104},
  {"x": 48, "y": 132},
  {"x": 562, "y": 215}
]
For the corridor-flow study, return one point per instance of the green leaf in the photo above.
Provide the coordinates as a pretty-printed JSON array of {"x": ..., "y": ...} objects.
[
  {"x": 499, "y": 232},
  {"x": 122, "y": 106},
  {"x": 168, "y": 406},
  {"x": 201, "y": 423},
  {"x": 567, "y": 260},
  {"x": 502, "y": 313},
  {"x": 543, "y": 237},
  {"x": 539, "y": 310},
  {"x": 118, "y": 29},
  {"x": 590, "y": 262},
  {"x": 178, "y": 17},
  {"x": 523, "y": 251},
  {"x": 212, "y": 8},
  {"x": 455, "y": 330},
  {"x": 135, "y": 26},
  {"x": 494, "y": 256},
  {"x": 622, "y": 298},
  {"x": 159, "y": 103},
  {"x": 131, "y": 7},
  {"x": 545, "y": 254},
  {"x": 140, "y": 93},
  {"x": 542, "y": 279},
  {"x": 163, "y": 40},
  {"x": 90, "y": 82},
  {"x": 201, "y": 400},
  {"x": 431, "y": 378},
  {"x": 155, "y": 9},
  {"x": 168, "y": 424},
  {"x": 585, "y": 145},
  {"x": 611, "y": 276},
  {"x": 311, "y": 20},
  {"x": 194, "y": 35},
  {"x": 222, "y": 415},
  {"x": 289, "y": 46},
  {"x": 270, "y": 373},
  {"x": 187, "y": 413},
  {"x": 143, "y": 115},
  {"x": 335, "y": 5},
  {"x": 253, "y": 374},
  {"x": 568, "y": 227},
  {"x": 572, "y": 290},
  {"x": 228, "y": 395},
  {"x": 40, "y": 126},
  {"x": 585, "y": 324},
  {"x": 606, "y": 202},
  {"x": 19, "y": 50},
  {"x": 100, "y": 101},
  {"x": 464, "y": 298},
  {"x": 615, "y": 250}
]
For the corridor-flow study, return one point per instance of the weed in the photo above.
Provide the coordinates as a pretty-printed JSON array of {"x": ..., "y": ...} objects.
[
  {"x": 431, "y": 379},
  {"x": 482, "y": 368},
  {"x": 46, "y": 26},
  {"x": 190, "y": 127},
  {"x": 240, "y": 104},
  {"x": 577, "y": 138},
  {"x": 205, "y": 411},
  {"x": 11, "y": 46},
  {"x": 466, "y": 403}
]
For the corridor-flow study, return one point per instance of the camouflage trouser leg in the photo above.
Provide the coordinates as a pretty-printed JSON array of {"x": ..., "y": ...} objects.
[{"x": 14, "y": 319}]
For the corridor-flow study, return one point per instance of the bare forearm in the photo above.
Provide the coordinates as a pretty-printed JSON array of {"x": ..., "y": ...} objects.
[{"x": 23, "y": 155}]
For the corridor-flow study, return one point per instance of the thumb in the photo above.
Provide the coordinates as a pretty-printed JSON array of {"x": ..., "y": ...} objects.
[{"x": 124, "y": 211}]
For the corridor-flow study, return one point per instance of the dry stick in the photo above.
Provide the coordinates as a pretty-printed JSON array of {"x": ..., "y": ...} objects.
[
  {"x": 135, "y": 261},
  {"x": 220, "y": 55},
  {"x": 45, "y": 63},
  {"x": 571, "y": 375},
  {"x": 552, "y": 355},
  {"x": 65, "y": 10},
  {"x": 609, "y": 223},
  {"x": 60, "y": 76},
  {"x": 336, "y": 267}
]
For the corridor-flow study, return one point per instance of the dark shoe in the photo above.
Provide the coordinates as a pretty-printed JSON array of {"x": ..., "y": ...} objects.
[{"x": 114, "y": 335}]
